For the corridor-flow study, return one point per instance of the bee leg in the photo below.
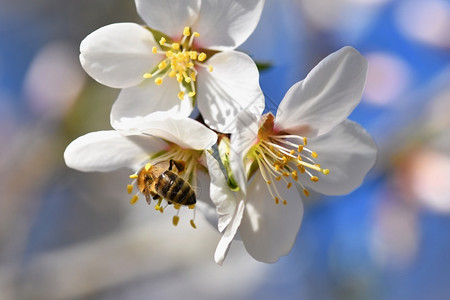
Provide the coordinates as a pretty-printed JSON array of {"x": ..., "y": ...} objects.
[
  {"x": 158, "y": 205},
  {"x": 179, "y": 164}
]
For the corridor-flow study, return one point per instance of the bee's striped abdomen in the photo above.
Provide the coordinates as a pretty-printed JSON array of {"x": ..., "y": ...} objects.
[{"x": 174, "y": 189}]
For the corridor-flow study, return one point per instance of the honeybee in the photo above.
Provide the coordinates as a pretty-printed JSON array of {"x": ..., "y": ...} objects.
[{"x": 162, "y": 181}]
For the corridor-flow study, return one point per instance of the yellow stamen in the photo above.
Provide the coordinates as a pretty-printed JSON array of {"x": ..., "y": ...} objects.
[
  {"x": 133, "y": 176},
  {"x": 314, "y": 178},
  {"x": 202, "y": 56},
  {"x": 300, "y": 148},
  {"x": 181, "y": 95},
  {"x": 192, "y": 206},
  {"x": 292, "y": 152},
  {"x": 306, "y": 192},
  {"x": 278, "y": 178},
  {"x": 289, "y": 185},
  {"x": 269, "y": 182},
  {"x": 175, "y": 220},
  {"x": 154, "y": 49},
  {"x": 162, "y": 41},
  {"x": 191, "y": 94},
  {"x": 314, "y": 154},
  {"x": 196, "y": 34},
  {"x": 177, "y": 206},
  {"x": 284, "y": 202},
  {"x": 158, "y": 81},
  {"x": 305, "y": 141},
  {"x": 134, "y": 199},
  {"x": 326, "y": 171},
  {"x": 176, "y": 46},
  {"x": 129, "y": 188},
  {"x": 193, "y": 224},
  {"x": 277, "y": 200},
  {"x": 147, "y": 166},
  {"x": 210, "y": 68},
  {"x": 162, "y": 65},
  {"x": 147, "y": 75},
  {"x": 186, "y": 31}
]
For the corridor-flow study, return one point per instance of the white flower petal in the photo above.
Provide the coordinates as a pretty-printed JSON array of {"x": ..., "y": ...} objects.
[
  {"x": 241, "y": 142},
  {"x": 108, "y": 150},
  {"x": 229, "y": 89},
  {"x": 168, "y": 16},
  {"x": 186, "y": 132},
  {"x": 349, "y": 152},
  {"x": 326, "y": 96},
  {"x": 226, "y": 24},
  {"x": 269, "y": 230},
  {"x": 229, "y": 233},
  {"x": 221, "y": 195},
  {"x": 118, "y": 55},
  {"x": 148, "y": 98}
]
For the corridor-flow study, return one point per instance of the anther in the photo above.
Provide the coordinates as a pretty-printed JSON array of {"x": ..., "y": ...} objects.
[
  {"x": 176, "y": 46},
  {"x": 186, "y": 31},
  {"x": 134, "y": 199},
  {"x": 181, "y": 95},
  {"x": 192, "y": 206},
  {"x": 147, "y": 75},
  {"x": 277, "y": 200},
  {"x": 292, "y": 152},
  {"x": 133, "y": 176},
  {"x": 162, "y": 65},
  {"x": 300, "y": 148},
  {"x": 147, "y": 166},
  {"x": 196, "y": 34},
  {"x": 129, "y": 188},
  {"x": 193, "y": 224},
  {"x": 284, "y": 202},
  {"x": 306, "y": 192},
  {"x": 314, "y": 178},
  {"x": 162, "y": 41},
  {"x": 289, "y": 185},
  {"x": 175, "y": 220},
  {"x": 191, "y": 94},
  {"x": 177, "y": 206},
  {"x": 158, "y": 81},
  {"x": 325, "y": 171},
  {"x": 154, "y": 49},
  {"x": 210, "y": 68},
  {"x": 269, "y": 182},
  {"x": 314, "y": 154},
  {"x": 278, "y": 178},
  {"x": 202, "y": 56},
  {"x": 286, "y": 174},
  {"x": 305, "y": 141}
]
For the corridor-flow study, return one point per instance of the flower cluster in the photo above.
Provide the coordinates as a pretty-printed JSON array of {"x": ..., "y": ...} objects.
[{"x": 263, "y": 164}]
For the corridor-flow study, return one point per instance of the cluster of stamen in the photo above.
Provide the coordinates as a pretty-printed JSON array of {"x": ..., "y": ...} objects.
[
  {"x": 283, "y": 157},
  {"x": 190, "y": 158},
  {"x": 179, "y": 63}
]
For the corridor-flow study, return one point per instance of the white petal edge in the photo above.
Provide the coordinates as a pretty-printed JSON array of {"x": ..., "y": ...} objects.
[
  {"x": 349, "y": 152},
  {"x": 148, "y": 98},
  {"x": 108, "y": 150},
  {"x": 233, "y": 86},
  {"x": 221, "y": 195},
  {"x": 327, "y": 95},
  {"x": 168, "y": 16},
  {"x": 242, "y": 140},
  {"x": 226, "y": 24},
  {"x": 269, "y": 230},
  {"x": 185, "y": 132},
  {"x": 230, "y": 232},
  {"x": 118, "y": 55}
]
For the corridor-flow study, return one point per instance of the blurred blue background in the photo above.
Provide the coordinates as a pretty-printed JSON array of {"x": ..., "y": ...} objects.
[{"x": 71, "y": 235}]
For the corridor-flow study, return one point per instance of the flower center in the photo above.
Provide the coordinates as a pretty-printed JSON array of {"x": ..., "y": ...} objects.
[
  {"x": 281, "y": 157},
  {"x": 180, "y": 63},
  {"x": 168, "y": 175}
]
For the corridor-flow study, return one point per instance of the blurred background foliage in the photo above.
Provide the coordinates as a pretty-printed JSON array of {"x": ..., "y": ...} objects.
[{"x": 71, "y": 235}]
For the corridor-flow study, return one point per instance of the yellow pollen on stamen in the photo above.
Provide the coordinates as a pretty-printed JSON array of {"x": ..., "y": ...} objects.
[
  {"x": 284, "y": 202},
  {"x": 177, "y": 206},
  {"x": 286, "y": 174},
  {"x": 305, "y": 141},
  {"x": 300, "y": 148},
  {"x": 147, "y": 166},
  {"x": 292, "y": 152},
  {"x": 186, "y": 31},
  {"x": 326, "y": 171},
  {"x": 202, "y": 56},
  {"x": 181, "y": 95},
  {"x": 179, "y": 78},
  {"x": 162, "y": 41},
  {"x": 269, "y": 182},
  {"x": 129, "y": 188},
  {"x": 277, "y": 200},
  {"x": 175, "y": 220},
  {"x": 278, "y": 178},
  {"x": 193, "y": 224},
  {"x": 133, "y": 176},
  {"x": 192, "y": 206},
  {"x": 285, "y": 159},
  {"x": 314, "y": 178},
  {"x": 306, "y": 192},
  {"x": 134, "y": 199},
  {"x": 154, "y": 50},
  {"x": 193, "y": 55},
  {"x": 294, "y": 175},
  {"x": 176, "y": 46},
  {"x": 196, "y": 34},
  {"x": 289, "y": 185},
  {"x": 147, "y": 75},
  {"x": 210, "y": 68},
  {"x": 314, "y": 154},
  {"x": 299, "y": 158},
  {"x": 158, "y": 81},
  {"x": 162, "y": 65},
  {"x": 193, "y": 76},
  {"x": 191, "y": 94}
]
